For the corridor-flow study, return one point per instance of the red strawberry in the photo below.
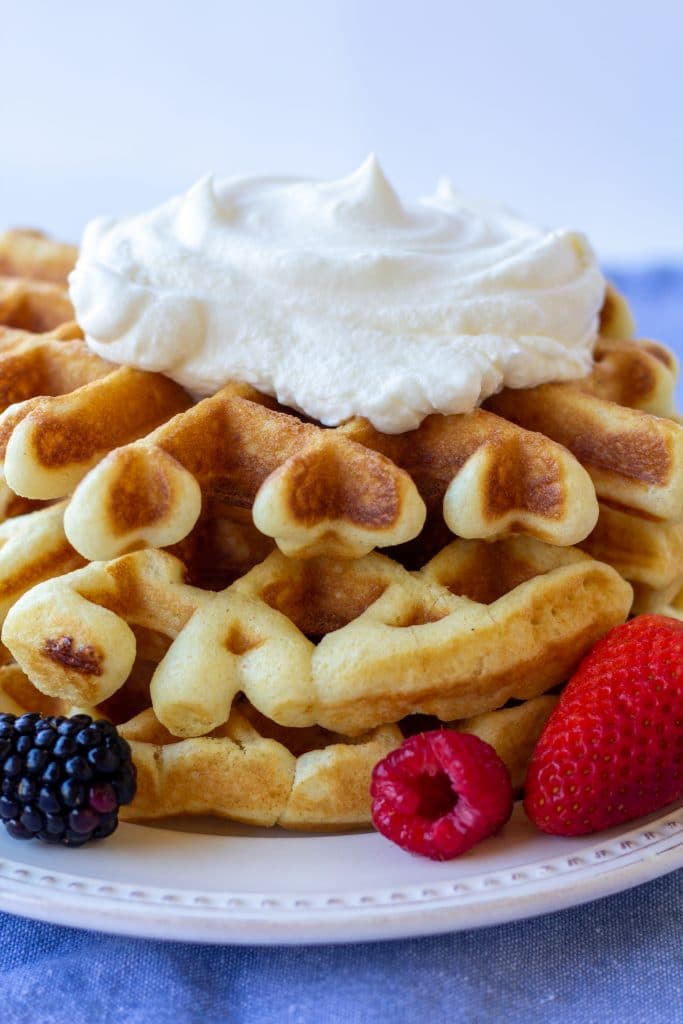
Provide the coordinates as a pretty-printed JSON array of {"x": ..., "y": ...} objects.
[{"x": 612, "y": 749}]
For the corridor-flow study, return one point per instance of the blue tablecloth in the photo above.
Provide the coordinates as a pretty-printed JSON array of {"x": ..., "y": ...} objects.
[{"x": 619, "y": 959}]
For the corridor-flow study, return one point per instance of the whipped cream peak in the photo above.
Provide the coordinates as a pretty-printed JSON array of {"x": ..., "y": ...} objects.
[
  {"x": 365, "y": 198},
  {"x": 339, "y": 298}
]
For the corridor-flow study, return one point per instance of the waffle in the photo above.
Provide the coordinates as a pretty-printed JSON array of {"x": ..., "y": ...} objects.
[
  {"x": 616, "y": 319},
  {"x": 262, "y": 774},
  {"x": 31, "y": 255},
  {"x": 666, "y": 601},
  {"x": 33, "y": 279},
  {"x": 60, "y": 411},
  {"x": 253, "y": 771},
  {"x": 391, "y": 643},
  {"x": 643, "y": 551},
  {"x": 313, "y": 490},
  {"x": 617, "y": 423},
  {"x": 343, "y": 492},
  {"x": 271, "y": 654},
  {"x": 33, "y": 548},
  {"x": 297, "y": 478}
]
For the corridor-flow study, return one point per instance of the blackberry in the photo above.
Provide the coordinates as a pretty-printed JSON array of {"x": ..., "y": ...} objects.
[{"x": 62, "y": 779}]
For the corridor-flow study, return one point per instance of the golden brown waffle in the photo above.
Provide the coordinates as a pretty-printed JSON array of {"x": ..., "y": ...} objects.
[
  {"x": 254, "y": 771},
  {"x": 328, "y": 650},
  {"x": 297, "y": 478},
  {"x": 33, "y": 548},
  {"x": 480, "y": 624},
  {"x": 312, "y": 489},
  {"x": 642, "y": 551},
  {"x": 32, "y": 255},
  {"x": 616, "y": 424},
  {"x": 33, "y": 281},
  {"x": 62, "y": 408},
  {"x": 488, "y": 478},
  {"x": 616, "y": 319},
  {"x": 341, "y": 492},
  {"x": 243, "y": 773},
  {"x": 668, "y": 601},
  {"x": 480, "y": 473}
]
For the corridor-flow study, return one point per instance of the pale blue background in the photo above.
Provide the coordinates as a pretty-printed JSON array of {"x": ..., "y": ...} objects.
[{"x": 570, "y": 112}]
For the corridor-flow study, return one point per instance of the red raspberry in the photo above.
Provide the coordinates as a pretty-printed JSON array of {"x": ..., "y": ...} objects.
[
  {"x": 440, "y": 793},
  {"x": 612, "y": 749}
]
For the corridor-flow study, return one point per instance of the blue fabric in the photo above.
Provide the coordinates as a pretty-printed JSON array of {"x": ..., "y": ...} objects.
[{"x": 619, "y": 959}]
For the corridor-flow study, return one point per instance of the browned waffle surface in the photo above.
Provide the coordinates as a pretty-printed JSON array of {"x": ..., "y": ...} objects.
[
  {"x": 634, "y": 457},
  {"x": 311, "y": 489},
  {"x": 255, "y": 771},
  {"x": 345, "y": 645},
  {"x": 33, "y": 280},
  {"x": 62, "y": 408},
  {"x": 31, "y": 254}
]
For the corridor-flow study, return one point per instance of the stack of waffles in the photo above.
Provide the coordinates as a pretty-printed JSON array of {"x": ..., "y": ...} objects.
[{"x": 207, "y": 575}]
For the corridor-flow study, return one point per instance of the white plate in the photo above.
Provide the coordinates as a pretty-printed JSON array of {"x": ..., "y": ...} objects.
[{"x": 251, "y": 886}]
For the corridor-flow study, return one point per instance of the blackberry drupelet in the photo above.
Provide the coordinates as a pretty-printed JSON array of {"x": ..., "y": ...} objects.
[{"x": 62, "y": 779}]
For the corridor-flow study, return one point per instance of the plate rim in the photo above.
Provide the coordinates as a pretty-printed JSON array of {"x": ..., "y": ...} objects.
[{"x": 602, "y": 865}]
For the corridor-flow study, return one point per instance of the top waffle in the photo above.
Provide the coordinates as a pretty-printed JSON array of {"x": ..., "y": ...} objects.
[
  {"x": 530, "y": 463},
  {"x": 616, "y": 422},
  {"x": 340, "y": 492}
]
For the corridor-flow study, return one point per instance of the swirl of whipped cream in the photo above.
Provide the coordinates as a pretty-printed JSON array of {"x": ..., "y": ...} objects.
[{"x": 339, "y": 299}]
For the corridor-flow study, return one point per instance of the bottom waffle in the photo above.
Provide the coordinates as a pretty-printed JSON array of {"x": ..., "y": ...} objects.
[
  {"x": 667, "y": 601},
  {"x": 256, "y": 772}
]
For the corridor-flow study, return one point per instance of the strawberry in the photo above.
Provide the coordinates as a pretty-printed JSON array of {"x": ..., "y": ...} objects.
[{"x": 612, "y": 749}]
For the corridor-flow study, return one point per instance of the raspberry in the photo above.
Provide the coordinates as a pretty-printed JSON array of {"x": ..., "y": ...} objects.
[
  {"x": 62, "y": 779},
  {"x": 440, "y": 793},
  {"x": 612, "y": 750}
]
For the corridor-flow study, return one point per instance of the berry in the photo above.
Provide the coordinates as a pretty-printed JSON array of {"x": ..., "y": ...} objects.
[
  {"x": 64, "y": 747},
  {"x": 48, "y": 802},
  {"x": 612, "y": 749},
  {"x": 440, "y": 793},
  {"x": 26, "y": 723},
  {"x": 26, "y": 790},
  {"x": 36, "y": 759},
  {"x": 45, "y": 739},
  {"x": 103, "y": 797},
  {"x": 8, "y": 808},
  {"x": 18, "y": 831},
  {"x": 13, "y": 766},
  {"x": 62, "y": 779}
]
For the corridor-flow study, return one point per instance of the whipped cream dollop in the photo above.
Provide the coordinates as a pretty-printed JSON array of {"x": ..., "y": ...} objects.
[{"x": 338, "y": 298}]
